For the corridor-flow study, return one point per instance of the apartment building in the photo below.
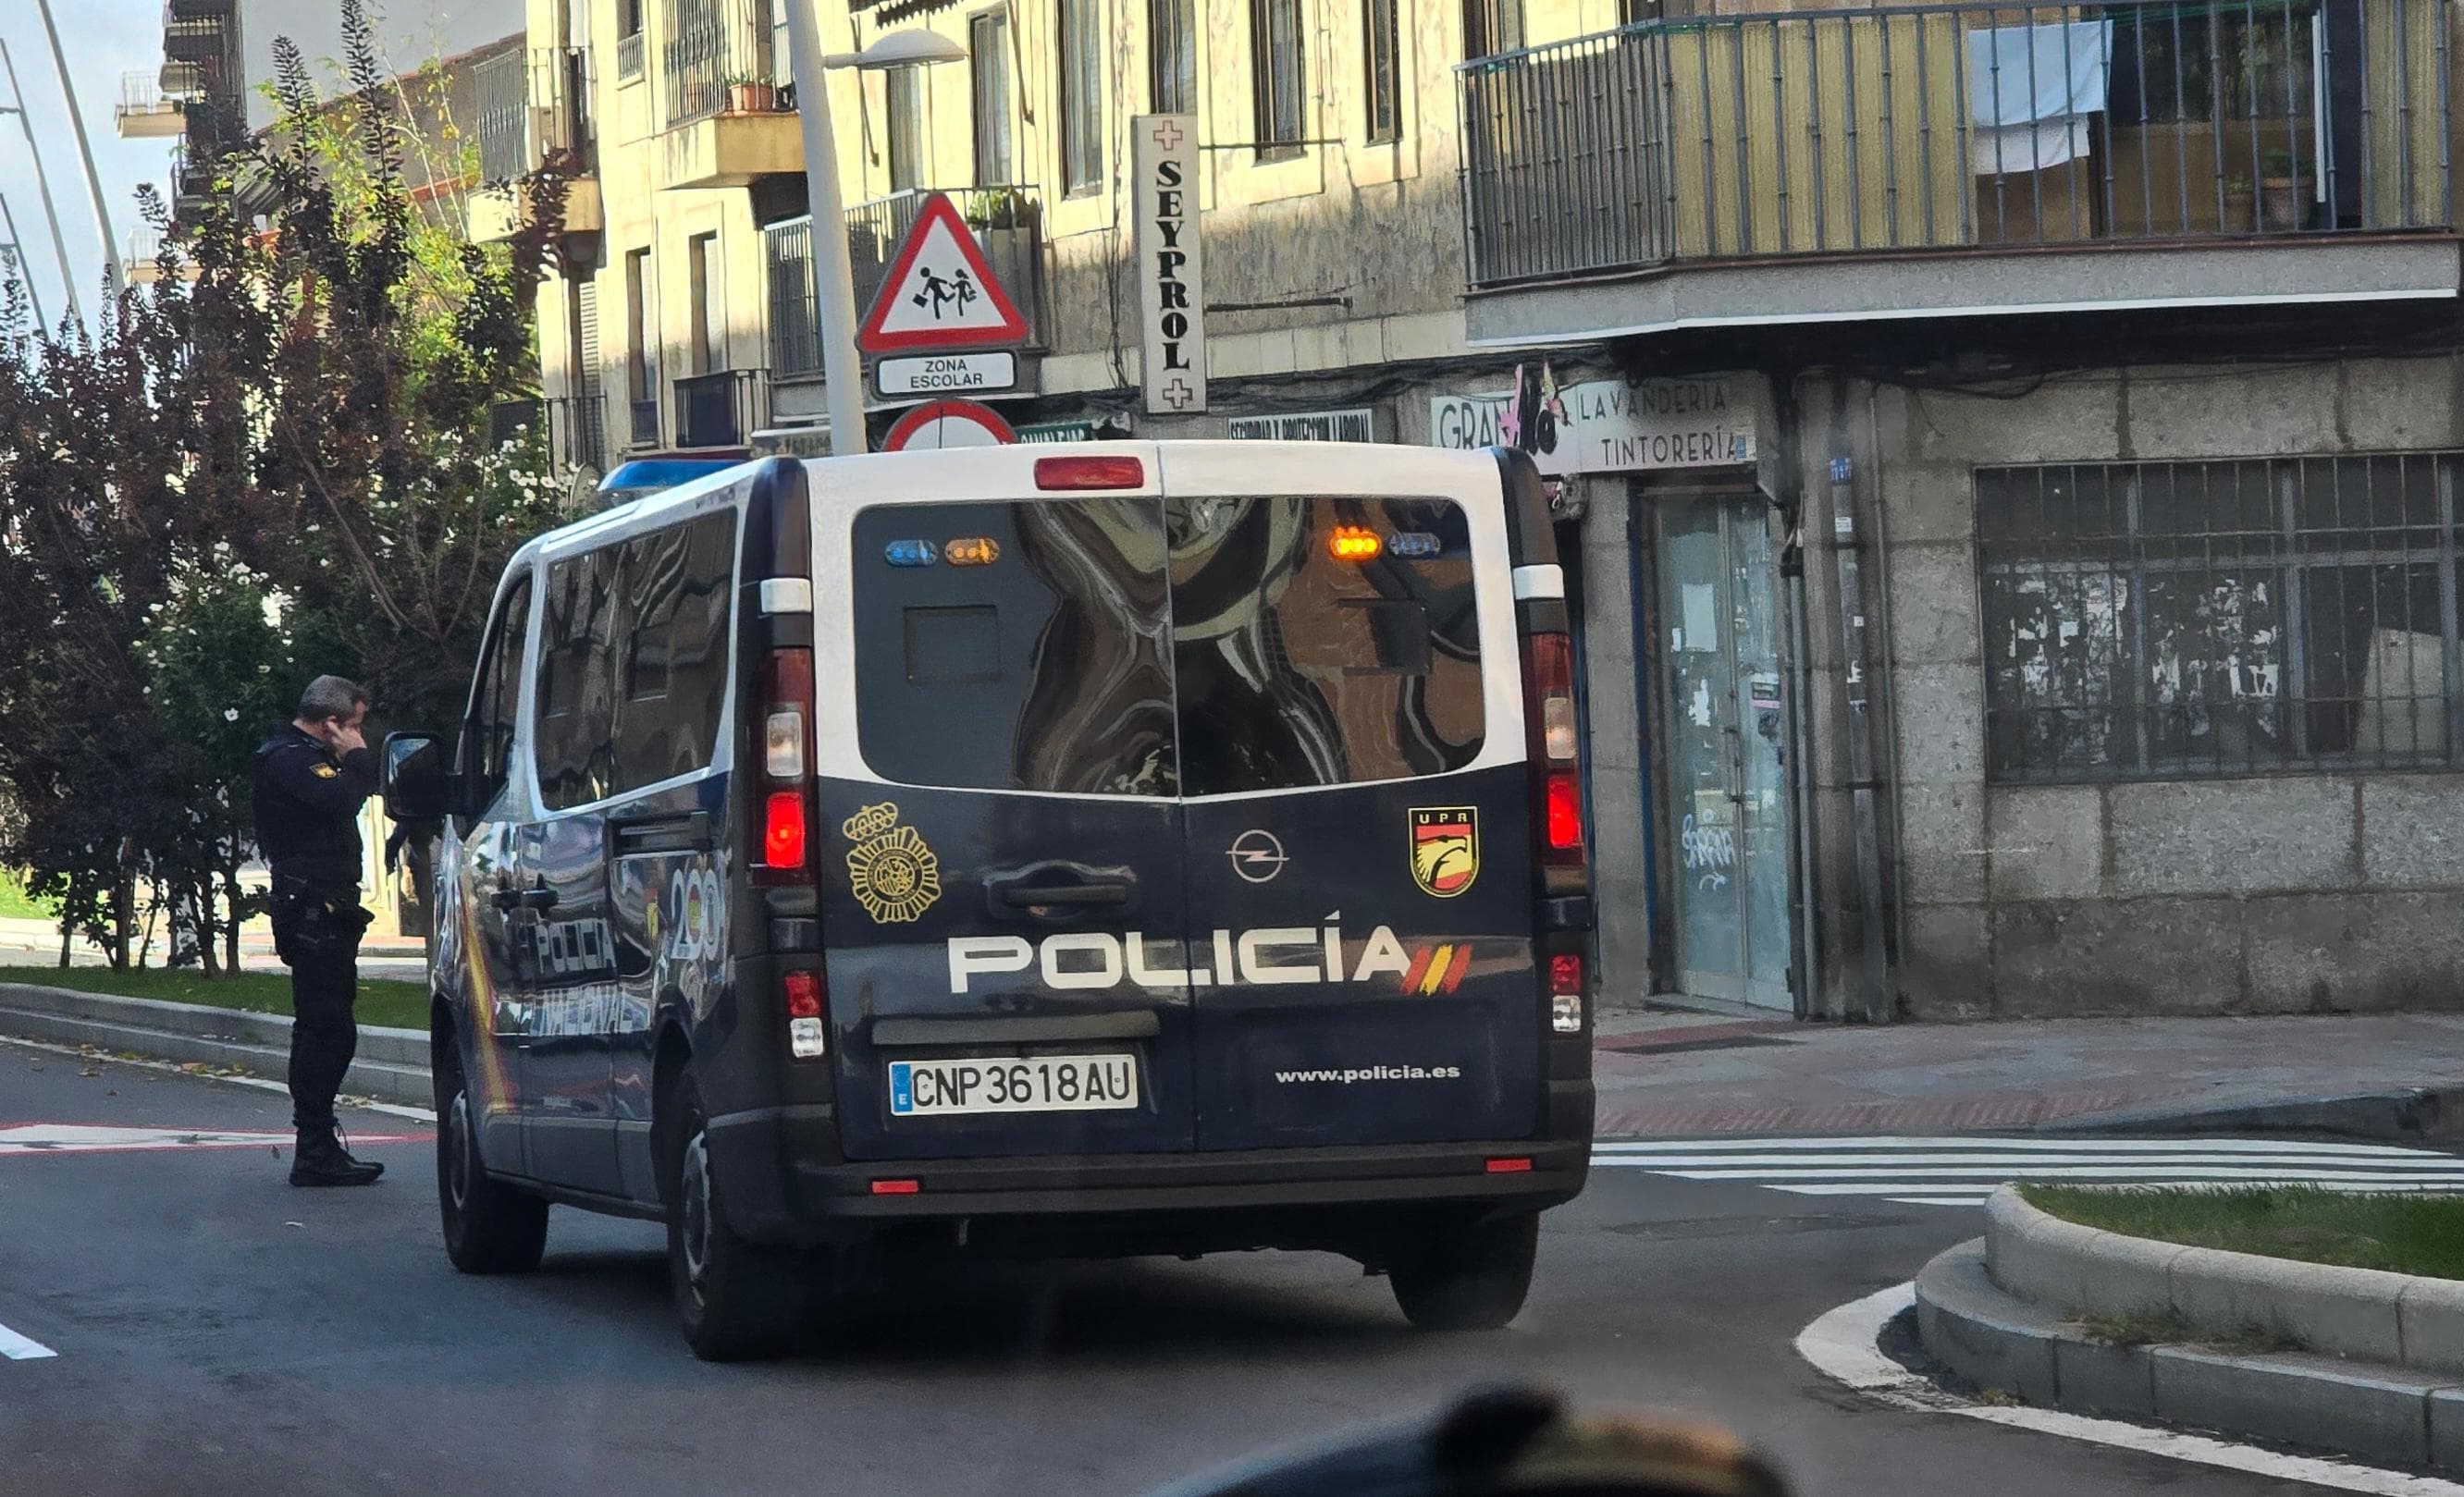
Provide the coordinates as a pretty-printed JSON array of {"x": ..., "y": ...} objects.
[{"x": 2006, "y": 456}]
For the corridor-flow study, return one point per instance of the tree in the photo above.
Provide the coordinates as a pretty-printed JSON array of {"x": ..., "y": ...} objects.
[{"x": 271, "y": 462}]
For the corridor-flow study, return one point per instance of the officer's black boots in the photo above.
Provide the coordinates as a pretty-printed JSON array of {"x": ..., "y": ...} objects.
[{"x": 320, "y": 1159}]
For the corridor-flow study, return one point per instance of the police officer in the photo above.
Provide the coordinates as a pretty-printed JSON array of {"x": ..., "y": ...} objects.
[{"x": 311, "y": 779}]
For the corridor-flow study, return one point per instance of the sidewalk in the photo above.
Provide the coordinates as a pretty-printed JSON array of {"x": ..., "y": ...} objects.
[
  {"x": 42, "y": 939},
  {"x": 1674, "y": 1074}
]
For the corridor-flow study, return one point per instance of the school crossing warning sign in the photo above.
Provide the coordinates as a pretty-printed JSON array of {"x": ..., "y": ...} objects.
[{"x": 939, "y": 292}]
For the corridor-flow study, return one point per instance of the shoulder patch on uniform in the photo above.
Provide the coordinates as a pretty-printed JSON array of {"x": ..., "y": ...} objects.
[{"x": 325, "y": 771}]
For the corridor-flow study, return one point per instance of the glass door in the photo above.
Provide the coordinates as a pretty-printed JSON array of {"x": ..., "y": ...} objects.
[{"x": 1727, "y": 769}]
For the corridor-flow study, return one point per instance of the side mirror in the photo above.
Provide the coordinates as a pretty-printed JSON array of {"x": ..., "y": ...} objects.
[{"x": 417, "y": 784}]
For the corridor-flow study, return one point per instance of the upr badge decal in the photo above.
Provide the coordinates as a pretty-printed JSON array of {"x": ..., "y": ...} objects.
[
  {"x": 1445, "y": 849},
  {"x": 324, "y": 771},
  {"x": 895, "y": 876}
]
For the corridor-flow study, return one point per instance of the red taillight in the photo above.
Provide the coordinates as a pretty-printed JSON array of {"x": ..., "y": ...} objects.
[
  {"x": 803, "y": 992},
  {"x": 896, "y": 1187},
  {"x": 1555, "y": 745},
  {"x": 782, "y": 747},
  {"x": 1516, "y": 1166},
  {"x": 1089, "y": 472},
  {"x": 1565, "y": 813},
  {"x": 783, "y": 830},
  {"x": 1565, "y": 974}
]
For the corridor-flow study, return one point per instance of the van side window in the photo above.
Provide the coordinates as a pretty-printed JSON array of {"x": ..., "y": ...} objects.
[
  {"x": 575, "y": 737},
  {"x": 673, "y": 658},
  {"x": 487, "y": 751}
]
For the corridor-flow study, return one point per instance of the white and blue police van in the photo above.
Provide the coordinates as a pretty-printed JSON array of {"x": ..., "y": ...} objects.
[{"x": 1125, "y": 848}]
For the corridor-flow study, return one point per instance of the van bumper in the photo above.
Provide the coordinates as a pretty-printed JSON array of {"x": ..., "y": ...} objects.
[{"x": 780, "y": 1187}]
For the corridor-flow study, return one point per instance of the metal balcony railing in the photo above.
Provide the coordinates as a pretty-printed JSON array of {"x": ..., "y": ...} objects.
[
  {"x": 1940, "y": 127},
  {"x": 532, "y": 106},
  {"x": 644, "y": 424},
  {"x": 723, "y": 56},
  {"x": 574, "y": 428},
  {"x": 717, "y": 409},
  {"x": 503, "y": 84},
  {"x": 632, "y": 55},
  {"x": 1008, "y": 223}
]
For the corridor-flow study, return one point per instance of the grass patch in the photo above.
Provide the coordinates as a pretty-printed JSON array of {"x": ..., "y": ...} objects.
[
  {"x": 384, "y": 1003},
  {"x": 15, "y": 903},
  {"x": 2418, "y": 1234}
]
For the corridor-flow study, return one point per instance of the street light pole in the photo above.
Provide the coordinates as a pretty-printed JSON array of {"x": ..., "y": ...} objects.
[
  {"x": 85, "y": 152},
  {"x": 834, "y": 278},
  {"x": 42, "y": 185}
]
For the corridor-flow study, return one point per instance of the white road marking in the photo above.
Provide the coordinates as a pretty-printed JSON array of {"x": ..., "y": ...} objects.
[
  {"x": 21, "y": 1349},
  {"x": 1963, "y": 1171},
  {"x": 1845, "y": 1346},
  {"x": 349, "y": 1104}
]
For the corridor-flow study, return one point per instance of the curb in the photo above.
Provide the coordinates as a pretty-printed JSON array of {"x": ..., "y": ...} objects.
[
  {"x": 2418, "y": 1113},
  {"x": 391, "y": 1064},
  {"x": 2381, "y": 1375}
]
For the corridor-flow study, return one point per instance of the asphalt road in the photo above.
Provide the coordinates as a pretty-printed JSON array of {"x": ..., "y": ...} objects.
[{"x": 219, "y": 1333}]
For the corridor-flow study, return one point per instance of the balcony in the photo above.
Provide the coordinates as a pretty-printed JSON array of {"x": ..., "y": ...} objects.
[
  {"x": 534, "y": 110},
  {"x": 728, "y": 109},
  {"x": 144, "y": 112},
  {"x": 573, "y": 429},
  {"x": 1940, "y": 160},
  {"x": 718, "y": 409},
  {"x": 1008, "y": 223}
]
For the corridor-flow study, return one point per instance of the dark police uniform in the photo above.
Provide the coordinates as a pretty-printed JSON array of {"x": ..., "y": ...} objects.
[{"x": 307, "y": 826}]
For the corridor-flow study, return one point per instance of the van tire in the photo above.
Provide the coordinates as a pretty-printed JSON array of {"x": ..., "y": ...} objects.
[
  {"x": 489, "y": 1227},
  {"x": 1469, "y": 1278},
  {"x": 738, "y": 1300}
]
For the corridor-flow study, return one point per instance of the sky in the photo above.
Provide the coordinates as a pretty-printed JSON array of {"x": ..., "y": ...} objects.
[{"x": 104, "y": 39}]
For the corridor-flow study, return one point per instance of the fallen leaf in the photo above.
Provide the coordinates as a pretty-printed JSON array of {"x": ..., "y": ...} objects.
[{"x": 91, "y": 1071}]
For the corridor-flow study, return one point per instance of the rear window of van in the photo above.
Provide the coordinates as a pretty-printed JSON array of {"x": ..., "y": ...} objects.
[{"x": 1165, "y": 647}]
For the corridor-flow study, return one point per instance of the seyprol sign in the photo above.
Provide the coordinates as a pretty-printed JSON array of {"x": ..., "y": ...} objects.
[
  {"x": 1172, "y": 268},
  {"x": 941, "y": 292}
]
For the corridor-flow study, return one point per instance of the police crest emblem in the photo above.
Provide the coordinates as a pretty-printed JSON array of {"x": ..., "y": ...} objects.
[
  {"x": 1445, "y": 849},
  {"x": 891, "y": 872}
]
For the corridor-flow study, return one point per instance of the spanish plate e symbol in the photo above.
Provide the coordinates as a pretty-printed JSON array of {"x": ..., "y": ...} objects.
[{"x": 1445, "y": 849}]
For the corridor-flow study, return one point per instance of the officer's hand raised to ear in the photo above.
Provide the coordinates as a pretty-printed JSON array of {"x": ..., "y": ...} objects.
[{"x": 344, "y": 737}]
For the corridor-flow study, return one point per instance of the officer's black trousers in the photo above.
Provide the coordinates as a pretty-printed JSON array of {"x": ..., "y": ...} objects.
[{"x": 324, "y": 1033}]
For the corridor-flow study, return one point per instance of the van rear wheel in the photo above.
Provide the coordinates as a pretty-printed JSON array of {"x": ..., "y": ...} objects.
[
  {"x": 738, "y": 1299},
  {"x": 1469, "y": 1278},
  {"x": 489, "y": 1227}
]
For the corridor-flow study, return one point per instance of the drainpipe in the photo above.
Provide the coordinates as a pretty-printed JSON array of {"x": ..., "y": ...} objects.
[
  {"x": 1784, "y": 487},
  {"x": 1874, "y": 991}
]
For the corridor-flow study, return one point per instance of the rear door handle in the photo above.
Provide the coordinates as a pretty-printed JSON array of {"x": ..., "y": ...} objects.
[
  {"x": 542, "y": 898},
  {"x": 1073, "y": 896}
]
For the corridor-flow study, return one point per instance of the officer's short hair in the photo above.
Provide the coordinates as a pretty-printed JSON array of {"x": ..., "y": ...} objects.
[{"x": 331, "y": 697}]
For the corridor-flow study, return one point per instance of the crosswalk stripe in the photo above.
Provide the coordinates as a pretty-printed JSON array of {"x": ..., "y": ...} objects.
[{"x": 1963, "y": 1171}]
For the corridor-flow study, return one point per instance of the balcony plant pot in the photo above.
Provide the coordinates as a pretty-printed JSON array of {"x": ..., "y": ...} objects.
[
  {"x": 749, "y": 96},
  {"x": 2279, "y": 200},
  {"x": 2241, "y": 208}
]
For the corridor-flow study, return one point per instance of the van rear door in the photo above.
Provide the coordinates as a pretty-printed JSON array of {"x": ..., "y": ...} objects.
[
  {"x": 1355, "y": 800},
  {"x": 1003, "y": 901}
]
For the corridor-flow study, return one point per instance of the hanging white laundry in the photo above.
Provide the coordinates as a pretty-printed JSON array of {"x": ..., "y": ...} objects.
[{"x": 2031, "y": 90}]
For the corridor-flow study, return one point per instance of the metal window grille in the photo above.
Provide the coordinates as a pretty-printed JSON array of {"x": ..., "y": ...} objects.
[
  {"x": 1277, "y": 87},
  {"x": 2243, "y": 617},
  {"x": 904, "y": 94},
  {"x": 503, "y": 83},
  {"x": 1381, "y": 46},
  {"x": 1172, "y": 60},
  {"x": 795, "y": 329},
  {"x": 720, "y": 56}
]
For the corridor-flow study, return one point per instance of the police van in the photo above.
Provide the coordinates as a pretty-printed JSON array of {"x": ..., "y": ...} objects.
[{"x": 1084, "y": 849}]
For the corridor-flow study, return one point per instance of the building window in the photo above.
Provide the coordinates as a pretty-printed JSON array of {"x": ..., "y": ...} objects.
[
  {"x": 1172, "y": 57},
  {"x": 988, "y": 55},
  {"x": 641, "y": 364},
  {"x": 708, "y": 306},
  {"x": 1082, "y": 97},
  {"x": 2162, "y": 619},
  {"x": 1380, "y": 46},
  {"x": 904, "y": 90},
  {"x": 1491, "y": 27},
  {"x": 1275, "y": 44},
  {"x": 630, "y": 45}
]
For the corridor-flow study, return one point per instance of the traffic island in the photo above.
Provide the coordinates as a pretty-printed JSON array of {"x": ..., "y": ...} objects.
[{"x": 2356, "y": 1362}]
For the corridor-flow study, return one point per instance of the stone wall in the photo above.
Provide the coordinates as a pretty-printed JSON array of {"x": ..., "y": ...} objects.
[{"x": 2289, "y": 893}]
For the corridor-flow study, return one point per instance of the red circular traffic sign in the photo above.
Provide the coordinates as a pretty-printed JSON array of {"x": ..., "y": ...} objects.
[{"x": 948, "y": 424}]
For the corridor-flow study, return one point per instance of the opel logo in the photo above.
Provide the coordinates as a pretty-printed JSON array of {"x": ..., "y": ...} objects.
[{"x": 1257, "y": 856}]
